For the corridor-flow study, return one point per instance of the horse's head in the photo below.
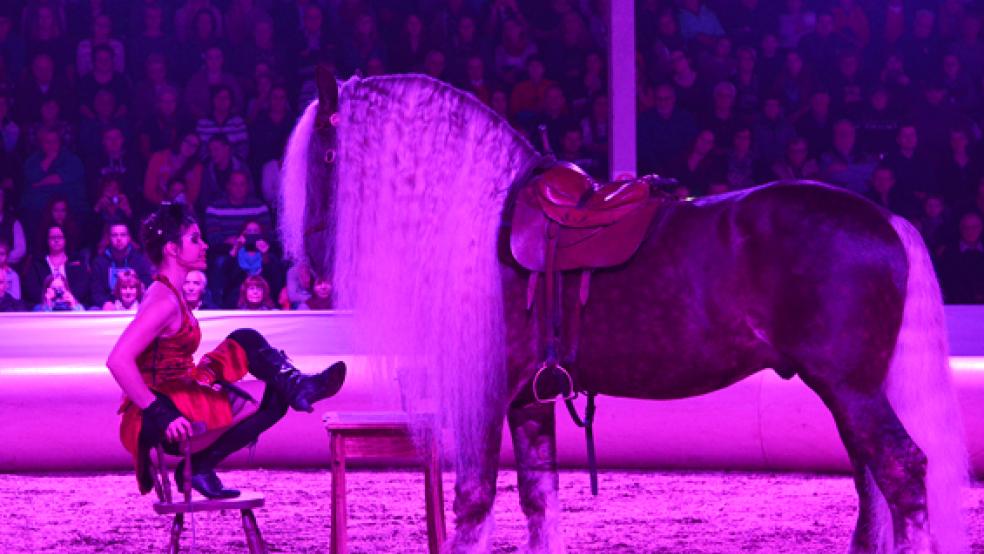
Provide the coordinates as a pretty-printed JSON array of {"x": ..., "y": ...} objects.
[{"x": 310, "y": 167}]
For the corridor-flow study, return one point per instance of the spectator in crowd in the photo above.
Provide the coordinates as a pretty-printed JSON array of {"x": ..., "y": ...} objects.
[
  {"x": 960, "y": 171},
  {"x": 219, "y": 167},
  {"x": 795, "y": 85},
  {"x": 51, "y": 119},
  {"x": 10, "y": 132},
  {"x": 113, "y": 203},
  {"x": 816, "y": 124},
  {"x": 913, "y": 170},
  {"x": 116, "y": 158},
  {"x": 12, "y": 48},
  {"x": 262, "y": 49},
  {"x": 238, "y": 21},
  {"x": 52, "y": 171},
  {"x": 772, "y": 132},
  {"x": 886, "y": 193},
  {"x": 297, "y": 288},
  {"x": 513, "y": 52},
  {"x": 92, "y": 128},
  {"x": 45, "y": 33},
  {"x": 222, "y": 120},
  {"x": 163, "y": 127},
  {"x": 185, "y": 19},
  {"x": 11, "y": 231},
  {"x": 102, "y": 34},
  {"x": 56, "y": 261},
  {"x": 664, "y": 132},
  {"x": 698, "y": 23},
  {"x": 39, "y": 85},
  {"x": 795, "y": 23},
  {"x": 699, "y": 167},
  {"x": 175, "y": 172},
  {"x": 195, "y": 291},
  {"x": 252, "y": 254},
  {"x": 7, "y": 301},
  {"x": 721, "y": 119},
  {"x": 103, "y": 77},
  {"x": 225, "y": 218},
  {"x": 10, "y": 276},
  {"x": 879, "y": 124},
  {"x": 57, "y": 296},
  {"x": 150, "y": 41},
  {"x": 199, "y": 94},
  {"x": 741, "y": 171},
  {"x": 932, "y": 224},
  {"x": 411, "y": 46},
  {"x": 962, "y": 263},
  {"x": 528, "y": 95},
  {"x": 147, "y": 92},
  {"x": 254, "y": 294},
  {"x": 797, "y": 163},
  {"x": 320, "y": 296},
  {"x": 127, "y": 293},
  {"x": 119, "y": 255},
  {"x": 269, "y": 131},
  {"x": 844, "y": 164}
]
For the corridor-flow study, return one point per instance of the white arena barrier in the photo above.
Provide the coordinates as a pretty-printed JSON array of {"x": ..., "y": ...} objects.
[{"x": 58, "y": 402}]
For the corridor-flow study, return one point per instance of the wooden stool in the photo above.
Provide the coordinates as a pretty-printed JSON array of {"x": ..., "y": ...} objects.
[
  {"x": 168, "y": 504},
  {"x": 367, "y": 435}
]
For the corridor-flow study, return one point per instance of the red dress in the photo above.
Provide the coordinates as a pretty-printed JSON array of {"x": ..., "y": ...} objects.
[{"x": 167, "y": 366}]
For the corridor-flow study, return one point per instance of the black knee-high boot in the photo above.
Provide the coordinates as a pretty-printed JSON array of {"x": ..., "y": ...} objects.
[
  {"x": 272, "y": 367},
  {"x": 272, "y": 409}
]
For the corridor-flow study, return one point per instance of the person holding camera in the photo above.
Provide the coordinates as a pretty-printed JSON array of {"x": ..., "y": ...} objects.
[
  {"x": 56, "y": 261},
  {"x": 253, "y": 257},
  {"x": 225, "y": 220},
  {"x": 113, "y": 204},
  {"x": 57, "y": 296}
]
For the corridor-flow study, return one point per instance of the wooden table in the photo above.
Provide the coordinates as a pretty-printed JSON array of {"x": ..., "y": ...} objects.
[{"x": 381, "y": 435}]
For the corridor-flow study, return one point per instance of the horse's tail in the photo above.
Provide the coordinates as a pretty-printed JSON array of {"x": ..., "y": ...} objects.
[
  {"x": 920, "y": 389},
  {"x": 294, "y": 186}
]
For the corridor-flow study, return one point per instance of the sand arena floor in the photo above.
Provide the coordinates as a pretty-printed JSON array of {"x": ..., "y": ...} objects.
[{"x": 664, "y": 512}]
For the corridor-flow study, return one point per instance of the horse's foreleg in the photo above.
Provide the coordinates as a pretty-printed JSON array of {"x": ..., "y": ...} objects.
[
  {"x": 874, "y": 520},
  {"x": 474, "y": 493},
  {"x": 535, "y": 446}
]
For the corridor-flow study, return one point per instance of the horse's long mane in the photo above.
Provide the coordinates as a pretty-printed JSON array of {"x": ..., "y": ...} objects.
[{"x": 423, "y": 172}]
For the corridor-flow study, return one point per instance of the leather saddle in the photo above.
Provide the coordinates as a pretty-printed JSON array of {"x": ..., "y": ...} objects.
[
  {"x": 595, "y": 225},
  {"x": 563, "y": 221}
]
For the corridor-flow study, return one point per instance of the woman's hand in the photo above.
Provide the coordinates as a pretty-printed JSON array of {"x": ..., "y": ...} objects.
[
  {"x": 263, "y": 246},
  {"x": 67, "y": 297},
  {"x": 49, "y": 295},
  {"x": 179, "y": 430}
]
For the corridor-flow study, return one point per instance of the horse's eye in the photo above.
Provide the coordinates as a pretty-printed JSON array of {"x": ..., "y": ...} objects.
[{"x": 330, "y": 156}]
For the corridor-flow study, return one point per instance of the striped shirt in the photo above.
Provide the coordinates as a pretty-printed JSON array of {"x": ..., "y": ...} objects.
[
  {"x": 224, "y": 220},
  {"x": 234, "y": 128}
]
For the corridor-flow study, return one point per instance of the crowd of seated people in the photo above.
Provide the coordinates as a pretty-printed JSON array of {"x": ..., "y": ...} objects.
[{"x": 110, "y": 108}]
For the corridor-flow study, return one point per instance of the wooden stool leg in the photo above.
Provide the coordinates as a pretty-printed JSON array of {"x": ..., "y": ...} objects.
[
  {"x": 339, "y": 511},
  {"x": 176, "y": 526},
  {"x": 254, "y": 541},
  {"x": 434, "y": 499}
]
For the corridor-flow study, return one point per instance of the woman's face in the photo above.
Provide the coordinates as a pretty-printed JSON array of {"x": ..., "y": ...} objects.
[
  {"x": 56, "y": 241},
  {"x": 222, "y": 101},
  {"x": 189, "y": 146},
  {"x": 59, "y": 212},
  {"x": 254, "y": 294},
  {"x": 128, "y": 295},
  {"x": 797, "y": 153},
  {"x": 252, "y": 228},
  {"x": 414, "y": 26},
  {"x": 958, "y": 141},
  {"x": 102, "y": 27},
  {"x": 193, "y": 249},
  {"x": 278, "y": 99},
  {"x": 322, "y": 288}
]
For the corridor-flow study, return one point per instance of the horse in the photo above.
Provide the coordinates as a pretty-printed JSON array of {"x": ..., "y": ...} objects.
[{"x": 401, "y": 188}]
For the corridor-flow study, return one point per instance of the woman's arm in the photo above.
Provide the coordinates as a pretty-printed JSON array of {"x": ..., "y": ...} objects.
[{"x": 153, "y": 318}]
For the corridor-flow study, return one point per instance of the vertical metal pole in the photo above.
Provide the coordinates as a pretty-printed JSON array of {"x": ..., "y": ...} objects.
[{"x": 621, "y": 90}]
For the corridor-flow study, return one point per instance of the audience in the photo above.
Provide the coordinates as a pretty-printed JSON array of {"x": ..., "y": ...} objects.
[{"x": 111, "y": 112}]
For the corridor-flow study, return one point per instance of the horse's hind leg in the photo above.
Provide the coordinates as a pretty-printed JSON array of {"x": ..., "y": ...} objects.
[
  {"x": 535, "y": 446},
  {"x": 875, "y": 437},
  {"x": 873, "y": 515}
]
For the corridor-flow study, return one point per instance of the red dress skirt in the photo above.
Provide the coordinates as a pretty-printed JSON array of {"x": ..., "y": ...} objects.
[{"x": 167, "y": 366}]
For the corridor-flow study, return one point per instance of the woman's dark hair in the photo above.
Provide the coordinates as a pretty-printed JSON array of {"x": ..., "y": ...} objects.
[{"x": 165, "y": 225}]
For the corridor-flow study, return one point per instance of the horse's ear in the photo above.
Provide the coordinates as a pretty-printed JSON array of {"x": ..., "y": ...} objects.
[{"x": 327, "y": 89}]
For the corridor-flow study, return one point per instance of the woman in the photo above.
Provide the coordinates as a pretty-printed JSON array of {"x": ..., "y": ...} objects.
[
  {"x": 252, "y": 254},
  {"x": 127, "y": 293},
  {"x": 57, "y": 260},
  {"x": 165, "y": 390},
  {"x": 11, "y": 232},
  {"x": 176, "y": 165},
  {"x": 254, "y": 294},
  {"x": 320, "y": 298},
  {"x": 58, "y": 296}
]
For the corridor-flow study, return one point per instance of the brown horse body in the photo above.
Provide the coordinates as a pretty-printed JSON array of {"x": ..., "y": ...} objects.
[{"x": 802, "y": 278}]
